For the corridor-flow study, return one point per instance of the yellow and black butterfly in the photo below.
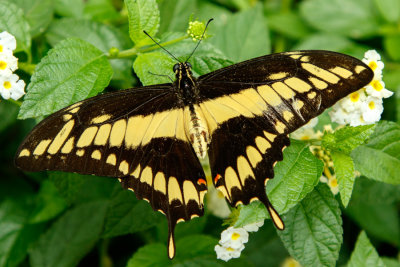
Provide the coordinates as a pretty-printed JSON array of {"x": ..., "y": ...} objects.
[{"x": 153, "y": 137}]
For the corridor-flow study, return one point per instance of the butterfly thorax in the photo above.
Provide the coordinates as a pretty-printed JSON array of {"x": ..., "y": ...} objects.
[{"x": 195, "y": 124}]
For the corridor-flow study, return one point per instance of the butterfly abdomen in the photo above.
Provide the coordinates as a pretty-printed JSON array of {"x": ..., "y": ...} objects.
[{"x": 197, "y": 132}]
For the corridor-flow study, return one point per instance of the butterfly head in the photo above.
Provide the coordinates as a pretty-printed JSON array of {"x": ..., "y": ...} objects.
[{"x": 184, "y": 77}]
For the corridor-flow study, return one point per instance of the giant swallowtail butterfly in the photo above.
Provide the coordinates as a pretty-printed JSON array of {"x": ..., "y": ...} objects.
[{"x": 153, "y": 137}]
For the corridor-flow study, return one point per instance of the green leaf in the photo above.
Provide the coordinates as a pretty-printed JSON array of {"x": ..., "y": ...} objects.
[
  {"x": 74, "y": 187},
  {"x": 346, "y": 139},
  {"x": 329, "y": 41},
  {"x": 379, "y": 159},
  {"x": 142, "y": 15},
  {"x": 15, "y": 234},
  {"x": 351, "y": 18},
  {"x": 100, "y": 10},
  {"x": 344, "y": 170},
  {"x": 313, "y": 233},
  {"x": 364, "y": 253},
  {"x": 13, "y": 21},
  {"x": 372, "y": 192},
  {"x": 72, "y": 71},
  {"x": 100, "y": 35},
  {"x": 194, "y": 250},
  {"x": 244, "y": 36},
  {"x": 38, "y": 13},
  {"x": 389, "y": 9},
  {"x": 392, "y": 42},
  {"x": 288, "y": 24},
  {"x": 203, "y": 65},
  {"x": 154, "y": 68},
  {"x": 175, "y": 15},
  {"x": 295, "y": 177},
  {"x": 389, "y": 262},
  {"x": 8, "y": 114},
  {"x": 69, "y": 8},
  {"x": 126, "y": 214},
  {"x": 49, "y": 203},
  {"x": 70, "y": 237}
]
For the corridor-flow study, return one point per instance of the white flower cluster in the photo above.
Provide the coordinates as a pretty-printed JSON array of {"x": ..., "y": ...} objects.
[
  {"x": 331, "y": 182},
  {"x": 364, "y": 106},
  {"x": 10, "y": 84},
  {"x": 233, "y": 240}
]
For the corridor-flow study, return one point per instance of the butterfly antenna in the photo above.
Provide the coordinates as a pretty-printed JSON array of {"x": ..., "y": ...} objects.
[
  {"x": 201, "y": 38},
  {"x": 161, "y": 46}
]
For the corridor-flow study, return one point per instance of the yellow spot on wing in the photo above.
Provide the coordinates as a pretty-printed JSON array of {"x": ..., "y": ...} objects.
[
  {"x": 244, "y": 169},
  {"x": 287, "y": 115},
  {"x": 24, "y": 153},
  {"x": 96, "y": 154},
  {"x": 190, "y": 192},
  {"x": 67, "y": 117},
  {"x": 358, "y": 69},
  {"x": 159, "y": 183},
  {"x": 117, "y": 133},
  {"x": 318, "y": 83},
  {"x": 124, "y": 167},
  {"x": 147, "y": 176},
  {"x": 253, "y": 155},
  {"x": 224, "y": 192},
  {"x": 100, "y": 119},
  {"x": 80, "y": 152},
  {"x": 87, "y": 137},
  {"x": 102, "y": 135},
  {"x": 167, "y": 126},
  {"x": 136, "y": 172},
  {"x": 136, "y": 129},
  {"x": 275, "y": 217},
  {"x": 74, "y": 110},
  {"x": 280, "y": 127},
  {"x": 278, "y": 75},
  {"x": 60, "y": 137},
  {"x": 311, "y": 95},
  {"x": 342, "y": 72},
  {"x": 111, "y": 159},
  {"x": 262, "y": 144},
  {"x": 231, "y": 179},
  {"x": 68, "y": 146},
  {"x": 41, "y": 147},
  {"x": 283, "y": 90},
  {"x": 154, "y": 125},
  {"x": 321, "y": 73},
  {"x": 270, "y": 136},
  {"x": 298, "y": 84},
  {"x": 269, "y": 95},
  {"x": 174, "y": 191}
]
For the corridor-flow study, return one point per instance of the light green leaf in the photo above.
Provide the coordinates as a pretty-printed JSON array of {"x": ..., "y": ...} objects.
[
  {"x": 142, "y": 15},
  {"x": 244, "y": 36},
  {"x": 389, "y": 262},
  {"x": 125, "y": 214},
  {"x": 344, "y": 170},
  {"x": 351, "y": 18},
  {"x": 203, "y": 65},
  {"x": 313, "y": 233},
  {"x": 154, "y": 68},
  {"x": 295, "y": 177},
  {"x": 193, "y": 250},
  {"x": 392, "y": 42},
  {"x": 38, "y": 13},
  {"x": 70, "y": 237},
  {"x": 13, "y": 21},
  {"x": 72, "y": 71},
  {"x": 347, "y": 138},
  {"x": 379, "y": 159},
  {"x": 69, "y": 8},
  {"x": 100, "y": 10},
  {"x": 288, "y": 24},
  {"x": 364, "y": 254},
  {"x": 175, "y": 15},
  {"x": 100, "y": 35},
  {"x": 389, "y": 9}
]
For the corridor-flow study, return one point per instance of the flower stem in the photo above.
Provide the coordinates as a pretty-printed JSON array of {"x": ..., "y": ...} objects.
[{"x": 16, "y": 102}]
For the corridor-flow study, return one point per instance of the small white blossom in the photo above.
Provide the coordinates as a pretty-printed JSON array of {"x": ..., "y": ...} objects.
[
  {"x": 227, "y": 253},
  {"x": 377, "y": 88},
  {"x": 11, "y": 86},
  {"x": 8, "y": 63},
  {"x": 373, "y": 60},
  {"x": 306, "y": 132},
  {"x": 372, "y": 109},
  {"x": 290, "y": 262},
  {"x": 216, "y": 203},
  {"x": 332, "y": 183},
  {"x": 7, "y": 42},
  {"x": 234, "y": 237},
  {"x": 353, "y": 101},
  {"x": 253, "y": 227}
]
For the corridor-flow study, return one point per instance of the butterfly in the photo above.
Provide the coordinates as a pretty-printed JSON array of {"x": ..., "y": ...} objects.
[{"x": 152, "y": 137}]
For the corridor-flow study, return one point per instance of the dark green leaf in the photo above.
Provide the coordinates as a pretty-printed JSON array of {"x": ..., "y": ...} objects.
[
  {"x": 175, "y": 15},
  {"x": 244, "y": 36},
  {"x": 351, "y": 18},
  {"x": 154, "y": 68},
  {"x": 38, "y": 13},
  {"x": 344, "y": 170},
  {"x": 13, "y": 21},
  {"x": 142, "y": 15},
  {"x": 70, "y": 237},
  {"x": 194, "y": 250},
  {"x": 313, "y": 233},
  {"x": 383, "y": 150},
  {"x": 295, "y": 177},
  {"x": 373, "y": 192},
  {"x": 364, "y": 254},
  {"x": 100, "y": 10},
  {"x": 100, "y": 35},
  {"x": 72, "y": 71},
  {"x": 392, "y": 43},
  {"x": 8, "y": 114},
  {"x": 288, "y": 24},
  {"x": 125, "y": 214}
]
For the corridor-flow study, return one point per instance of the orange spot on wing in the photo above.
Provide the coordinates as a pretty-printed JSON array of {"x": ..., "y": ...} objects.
[
  {"x": 217, "y": 177},
  {"x": 201, "y": 181}
]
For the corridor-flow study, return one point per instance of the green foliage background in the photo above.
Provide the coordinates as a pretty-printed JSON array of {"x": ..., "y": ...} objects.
[{"x": 65, "y": 219}]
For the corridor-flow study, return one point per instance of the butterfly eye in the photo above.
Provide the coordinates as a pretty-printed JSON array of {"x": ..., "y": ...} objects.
[
  {"x": 188, "y": 65},
  {"x": 176, "y": 67}
]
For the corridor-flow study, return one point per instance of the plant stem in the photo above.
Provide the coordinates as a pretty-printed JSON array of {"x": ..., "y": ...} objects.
[
  {"x": 16, "y": 102},
  {"x": 104, "y": 259}
]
